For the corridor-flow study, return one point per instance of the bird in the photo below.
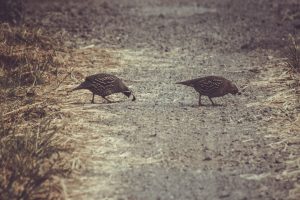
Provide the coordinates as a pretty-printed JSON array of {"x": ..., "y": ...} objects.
[
  {"x": 103, "y": 84},
  {"x": 211, "y": 86}
]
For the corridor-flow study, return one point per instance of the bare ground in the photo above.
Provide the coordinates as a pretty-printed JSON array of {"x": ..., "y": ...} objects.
[{"x": 163, "y": 146}]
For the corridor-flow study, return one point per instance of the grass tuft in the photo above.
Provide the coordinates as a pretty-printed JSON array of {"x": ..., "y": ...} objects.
[
  {"x": 293, "y": 54},
  {"x": 29, "y": 160},
  {"x": 26, "y": 56}
]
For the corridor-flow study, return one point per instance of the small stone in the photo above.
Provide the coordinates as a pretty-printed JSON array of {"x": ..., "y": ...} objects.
[
  {"x": 153, "y": 135},
  {"x": 207, "y": 158}
]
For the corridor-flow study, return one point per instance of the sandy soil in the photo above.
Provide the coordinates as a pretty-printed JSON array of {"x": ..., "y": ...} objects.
[{"x": 163, "y": 146}]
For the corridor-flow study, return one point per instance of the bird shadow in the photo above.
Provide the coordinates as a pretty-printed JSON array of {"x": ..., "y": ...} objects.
[
  {"x": 208, "y": 106},
  {"x": 97, "y": 103},
  {"x": 215, "y": 105}
]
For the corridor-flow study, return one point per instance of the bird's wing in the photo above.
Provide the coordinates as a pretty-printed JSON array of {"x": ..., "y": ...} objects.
[
  {"x": 205, "y": 85},
  {"x": 102, "y": 79}
]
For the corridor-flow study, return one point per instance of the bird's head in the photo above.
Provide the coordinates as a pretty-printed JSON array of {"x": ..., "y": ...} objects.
[
  {"x": 233, "y": 89},
  {"x": 128, "y": 93}
]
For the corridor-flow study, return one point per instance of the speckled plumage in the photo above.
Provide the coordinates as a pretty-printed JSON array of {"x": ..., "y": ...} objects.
[
  {"x": 211, "y": 86},
  {"x": 104, "y": 85}
]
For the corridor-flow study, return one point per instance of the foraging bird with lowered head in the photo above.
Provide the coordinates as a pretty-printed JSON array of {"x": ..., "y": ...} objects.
[
  {"x": 211, "y": 86},
  {"x": 104, "y": 85}
]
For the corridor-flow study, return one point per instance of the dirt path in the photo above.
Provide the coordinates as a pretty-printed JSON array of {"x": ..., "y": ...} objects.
[{"x": 163, "y": 146}]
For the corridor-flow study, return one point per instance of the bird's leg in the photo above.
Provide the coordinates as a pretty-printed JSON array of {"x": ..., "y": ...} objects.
[
  {"x": 212, "y": 101},
  {"x": 200, "y": 104},
  {"x": 108, "y": 101},
  {"x": 93, "y": 98},
  {"x": 133, "y": 97}
]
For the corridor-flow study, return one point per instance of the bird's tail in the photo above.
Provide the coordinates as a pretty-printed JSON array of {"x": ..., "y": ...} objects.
[
  {"x": 79, "y": 87},
  {"x": 188, "y": 83}
]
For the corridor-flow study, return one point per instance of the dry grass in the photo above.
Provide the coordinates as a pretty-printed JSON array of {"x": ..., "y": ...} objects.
[
  {"x": 29, "y": 160},
  {"x": 293, "y": 54},
  {"x": 31, "y": 147},
  {"x": 26, "y": 56},
  {"x": 284, "y": 124}
]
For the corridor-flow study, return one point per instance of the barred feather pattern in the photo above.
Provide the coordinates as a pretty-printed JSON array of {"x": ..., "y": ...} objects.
[
  {"x": 104, "y": 85},
  {"x": 211, "y": 86}
]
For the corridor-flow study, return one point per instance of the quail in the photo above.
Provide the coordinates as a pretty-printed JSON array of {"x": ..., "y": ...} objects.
[
  {"x": 211, "y": 86},
  {"x": 104, "y": 85}
]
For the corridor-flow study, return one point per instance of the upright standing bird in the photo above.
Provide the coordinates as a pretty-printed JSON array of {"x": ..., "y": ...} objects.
[
  {"x": 211, "y": 86},
  {"x": 104, "y": 85}
]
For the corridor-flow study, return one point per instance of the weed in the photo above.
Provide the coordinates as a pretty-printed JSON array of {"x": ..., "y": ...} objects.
[{"x": 293, "y": 54}]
